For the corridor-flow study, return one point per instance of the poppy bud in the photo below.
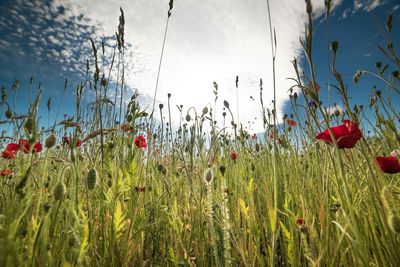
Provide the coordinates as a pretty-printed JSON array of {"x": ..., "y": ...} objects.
[
  {"x": 161, "y": 106},
  {"x": 91, "y": 179},
  {"x": 222, "y": 169},
  {"x": 257, "y": 147},
  {"x": 72, "y": 241},
  {"x": 9, "y": 113},
  {"x": 188, "y": 117},
  {"x": 59, "y": 190},
  {"x": 160, "y": 167},
  {"x": 46, "y": 207},
  {"x": 394, "y": 223},
  {"x": 226, "y": 104},
  {"x": 51, "y": 140},
  {"x": 129, "y": 118},
  {"x": 205, "y": 110},
  {"x": 104, "y": 82},
  {"x": 334, "y": 46},
  {"x": 208, "y": 176}
]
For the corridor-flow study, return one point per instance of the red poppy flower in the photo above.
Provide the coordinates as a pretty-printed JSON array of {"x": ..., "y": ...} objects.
[
  {"x": 300, "y": 222},
  {"x": 6, "y": 172},
  {"x": 234, "y": 155},
  {"x": 291, "y": 122},
  {"x": 346, "y": 134},
  {"x": 67, "y": 140},
  {"x": 388, "y": 164},
  {"x": 12, "y": 147},
  {"x": 8, "y": 154},
  {"x": 125, "y": 127},
  {"x": 24, "y": 144},
  {"x": 140, "y": 141},
  {"x": 254, "y": 137}
]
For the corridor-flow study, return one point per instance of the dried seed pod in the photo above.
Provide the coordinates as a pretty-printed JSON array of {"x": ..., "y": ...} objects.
[
  {"x": 91, "y": 179},
  {"x": 59, "y": 190},
  {"x": 51, "y": 140}
]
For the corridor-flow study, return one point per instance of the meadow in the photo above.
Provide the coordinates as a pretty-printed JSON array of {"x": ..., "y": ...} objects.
[{"x": 312, "y": 190}]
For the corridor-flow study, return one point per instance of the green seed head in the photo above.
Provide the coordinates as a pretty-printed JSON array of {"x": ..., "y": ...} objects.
[
  {"x": 59, "y": 190},
  {"x": 51, "y": 140},
  {"x": 91, "y": 179}
]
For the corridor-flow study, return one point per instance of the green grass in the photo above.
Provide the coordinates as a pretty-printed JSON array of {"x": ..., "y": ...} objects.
[{"x": 162, "y": 206}]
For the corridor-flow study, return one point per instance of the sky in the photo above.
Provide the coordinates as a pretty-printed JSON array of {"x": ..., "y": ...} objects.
[{"x": 207, "y": 41}]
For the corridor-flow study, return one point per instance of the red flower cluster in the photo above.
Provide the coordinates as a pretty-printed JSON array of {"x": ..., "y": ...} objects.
[
  {"x": 346, "y": 134},
  {"x": 388, "y": 164},
  {"x": 23, "y": 144},
  {"x": 234, "y": 155},
  {"x": 140, "y": 141},
  {"x": 67, "y": 140}
]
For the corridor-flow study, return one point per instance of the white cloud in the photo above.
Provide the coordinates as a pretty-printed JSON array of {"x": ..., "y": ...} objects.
[
  {"x": 207, "y": 41},
  {"x": 333, "y": 109},
  {"x": 370, "y": 5}
]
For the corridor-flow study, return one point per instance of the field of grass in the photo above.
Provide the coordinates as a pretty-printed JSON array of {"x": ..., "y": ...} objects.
[{"x": 312, "y": 190}]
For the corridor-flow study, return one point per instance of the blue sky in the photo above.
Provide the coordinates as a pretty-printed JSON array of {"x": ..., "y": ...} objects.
[{"x": 207, "y": 41}]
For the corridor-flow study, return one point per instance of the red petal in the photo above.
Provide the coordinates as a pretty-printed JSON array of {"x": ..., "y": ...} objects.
[
  {"x": 24, "y": 144},
  {"x": 37, "y": 147},
  {"x": 8, "y": 154},
  {"x": 12, "y": 147},
  {"x": 388, "y": 164}
]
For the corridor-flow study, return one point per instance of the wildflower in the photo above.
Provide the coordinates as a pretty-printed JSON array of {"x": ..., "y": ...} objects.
[
  {"x": 139, "y": 189},
  {"x": 234, "y": 155},
  {"x": 346, "y": 134},
  {"x": 254, "y": 137},
  {"x": 8, "y": 154},
  {"x": 24, "y": 144},
  {"x": 67, "y": 140},
  {"x": 291, "y": 123},
  {"x": 6, "y": 172},
  {"x": 12, "y": 147},
  {"x": 125, "y": 127},
  {"x": 140, "y": 141},
  {"x": 300, "y": 222},
  {"x": 388, "y": 164}
]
